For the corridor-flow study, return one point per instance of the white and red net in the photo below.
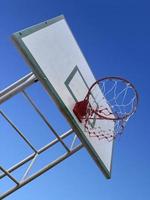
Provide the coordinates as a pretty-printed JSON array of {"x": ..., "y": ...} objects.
[{"x": 107, "y": 107}]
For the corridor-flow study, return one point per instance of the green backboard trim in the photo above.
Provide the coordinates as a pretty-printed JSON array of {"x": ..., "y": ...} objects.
[{"x": 17, "y": 37}]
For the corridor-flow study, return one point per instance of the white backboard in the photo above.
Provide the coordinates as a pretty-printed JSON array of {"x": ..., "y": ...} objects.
[{"x": 59, "y": 64}]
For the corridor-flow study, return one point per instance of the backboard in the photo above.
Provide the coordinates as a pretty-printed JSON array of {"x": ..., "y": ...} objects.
[{"x": 57, "y": 61}]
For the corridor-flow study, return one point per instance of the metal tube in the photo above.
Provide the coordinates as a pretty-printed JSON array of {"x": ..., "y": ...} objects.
[
  {"x": 45, "y": 120},
  {"x": 43, "y": 170},
  {"x": 9, "y": 175},
  {"x": 18, "y": 131},
  {"x": 29, "y": 168},
  {"x": 16, "y": 87},
  {"x": 30, "y": 157},
  {"x": 73, "y": 142}
]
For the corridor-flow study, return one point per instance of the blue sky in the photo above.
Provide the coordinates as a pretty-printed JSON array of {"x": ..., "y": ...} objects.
[{"x": 115, "y": 38}]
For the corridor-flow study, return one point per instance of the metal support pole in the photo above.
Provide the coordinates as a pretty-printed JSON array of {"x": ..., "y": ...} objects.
[
  {"x": 16, "y": 87},
  {"x": 8, "y": 174},
  {"x": 73, "y": 142},
  {"x": 18, "y": 131},
  {"x": 45, "y": 120},
  {"x": 29, "y": 168}
]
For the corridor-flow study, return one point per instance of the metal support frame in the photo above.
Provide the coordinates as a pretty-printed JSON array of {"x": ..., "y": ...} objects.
[{"x": 6, "y": 94}]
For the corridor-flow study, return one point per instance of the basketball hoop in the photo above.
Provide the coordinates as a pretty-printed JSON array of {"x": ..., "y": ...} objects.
[{"x": 111, "y": 100}]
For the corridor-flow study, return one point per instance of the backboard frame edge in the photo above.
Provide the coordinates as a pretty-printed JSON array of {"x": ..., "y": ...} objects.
[{"x": 17, "y": 38}]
